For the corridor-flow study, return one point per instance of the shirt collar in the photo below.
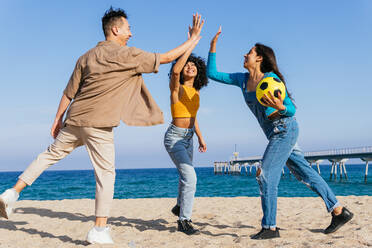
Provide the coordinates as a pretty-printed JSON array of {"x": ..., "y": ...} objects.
[{"x": 108, "y": 43}]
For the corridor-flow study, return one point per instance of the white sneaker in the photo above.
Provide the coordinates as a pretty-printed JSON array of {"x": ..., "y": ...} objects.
[
  {"x": 102, "y": 237},
  {"x": 7, "y": 200}
]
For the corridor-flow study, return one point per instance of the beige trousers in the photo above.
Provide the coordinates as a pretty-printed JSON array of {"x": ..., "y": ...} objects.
[{"x": 99, "y": 143}]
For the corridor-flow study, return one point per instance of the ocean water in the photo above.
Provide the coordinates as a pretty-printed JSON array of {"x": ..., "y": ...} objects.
[{"x": 158, "y": 183}]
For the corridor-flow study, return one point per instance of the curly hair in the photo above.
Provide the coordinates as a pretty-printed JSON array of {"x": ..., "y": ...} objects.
[
  {"x": 201, "y": 79},
  {"x": 112, "y": 16}
]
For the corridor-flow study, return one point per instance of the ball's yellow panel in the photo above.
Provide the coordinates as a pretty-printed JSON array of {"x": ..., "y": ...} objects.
[{"x": 274, "y": 85}]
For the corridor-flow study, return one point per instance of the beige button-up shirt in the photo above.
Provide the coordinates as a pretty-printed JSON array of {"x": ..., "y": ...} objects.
[{"x": 107, "y": 86}]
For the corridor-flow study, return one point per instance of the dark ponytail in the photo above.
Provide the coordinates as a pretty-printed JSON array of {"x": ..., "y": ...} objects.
[{"x": 269, "y": 62}]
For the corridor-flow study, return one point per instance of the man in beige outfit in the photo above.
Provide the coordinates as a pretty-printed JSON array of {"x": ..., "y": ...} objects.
[{"x": 105, "y": 87}]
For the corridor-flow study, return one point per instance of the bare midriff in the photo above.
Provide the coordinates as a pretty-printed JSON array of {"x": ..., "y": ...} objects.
[{"x": 185, "y": 122}]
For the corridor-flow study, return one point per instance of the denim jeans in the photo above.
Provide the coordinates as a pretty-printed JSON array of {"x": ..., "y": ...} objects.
[
  {"x": 282, "y": 149},
  {"x": 179, "y": 145}
]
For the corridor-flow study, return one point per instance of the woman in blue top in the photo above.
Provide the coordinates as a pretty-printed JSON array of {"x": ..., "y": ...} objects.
[{"x": 281, "y": 129}]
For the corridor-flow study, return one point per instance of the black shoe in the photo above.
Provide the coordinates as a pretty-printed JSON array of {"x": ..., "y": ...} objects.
[
  {"x": 186, "y": 227},
  {"x": 339, "y": 220},
  {"x": 176, "y": 210},
  {"x": 266, "y": 234}
]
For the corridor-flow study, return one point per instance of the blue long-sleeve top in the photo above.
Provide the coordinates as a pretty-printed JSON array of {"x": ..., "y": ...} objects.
[{"x": 240, "y": 79}]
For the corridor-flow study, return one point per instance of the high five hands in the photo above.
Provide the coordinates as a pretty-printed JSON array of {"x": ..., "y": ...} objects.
[
  {"x": 214, "y": 41},
  {"x": 197, "y": 25},
  {"x": 215, "y": 38}
]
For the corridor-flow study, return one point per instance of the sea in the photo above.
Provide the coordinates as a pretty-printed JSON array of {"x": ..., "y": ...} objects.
[{"x": 163, "y": 183}]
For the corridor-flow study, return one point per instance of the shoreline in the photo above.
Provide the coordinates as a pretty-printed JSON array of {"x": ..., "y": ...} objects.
[
  {"x": 54, "y": 169},
  {"x": 223, "y": 222}
]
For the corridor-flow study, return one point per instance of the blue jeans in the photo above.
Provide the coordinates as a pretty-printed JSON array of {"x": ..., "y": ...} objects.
[
  {"x": 179, "y": 145},
  {"x": 282, "y": 149}
]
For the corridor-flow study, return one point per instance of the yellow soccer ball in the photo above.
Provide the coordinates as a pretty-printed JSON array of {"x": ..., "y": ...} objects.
[{"x": 272, "y": 84}]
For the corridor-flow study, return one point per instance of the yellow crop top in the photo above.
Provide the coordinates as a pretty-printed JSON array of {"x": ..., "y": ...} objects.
[{"x": 188, "y": 104}]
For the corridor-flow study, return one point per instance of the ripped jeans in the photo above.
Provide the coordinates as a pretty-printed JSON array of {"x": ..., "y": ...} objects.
[
  {"x": 179, "y": 145},
  {"x": 282, "y": 149}
]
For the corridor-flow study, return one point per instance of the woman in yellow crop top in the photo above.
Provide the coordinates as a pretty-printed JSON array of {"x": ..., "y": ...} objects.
[{"x": 187, "y": 77}]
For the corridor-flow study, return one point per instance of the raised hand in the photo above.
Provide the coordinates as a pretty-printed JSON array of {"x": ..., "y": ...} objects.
[
  {"x": 214, "y": 41},
  {"x": 215, "y": 38},
  {"x": 197, "y": 26}
]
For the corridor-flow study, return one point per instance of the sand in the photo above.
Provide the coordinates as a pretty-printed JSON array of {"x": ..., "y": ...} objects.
[{"x": 224, "y": 222}]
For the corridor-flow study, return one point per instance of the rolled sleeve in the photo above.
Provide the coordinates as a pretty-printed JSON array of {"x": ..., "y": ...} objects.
[
  {"x": 146, "y": 62},
  {"x": 74, "y": 82},
  {"x": 157, "y": 62}
]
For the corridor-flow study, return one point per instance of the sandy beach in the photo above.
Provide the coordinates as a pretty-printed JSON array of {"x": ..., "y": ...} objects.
[{"x": 224, "y": 222}]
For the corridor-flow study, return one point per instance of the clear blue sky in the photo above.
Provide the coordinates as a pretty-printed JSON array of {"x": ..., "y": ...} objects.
[{"x": 323, "y": 49}]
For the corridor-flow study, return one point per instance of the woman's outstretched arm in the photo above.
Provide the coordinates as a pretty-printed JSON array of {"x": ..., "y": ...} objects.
[
  {"x": 174, "y": 83},
  {"x": 222, "y": 77}
]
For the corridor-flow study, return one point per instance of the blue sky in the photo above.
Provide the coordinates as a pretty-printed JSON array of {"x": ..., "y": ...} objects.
[{"x": 323, "y": 49}]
